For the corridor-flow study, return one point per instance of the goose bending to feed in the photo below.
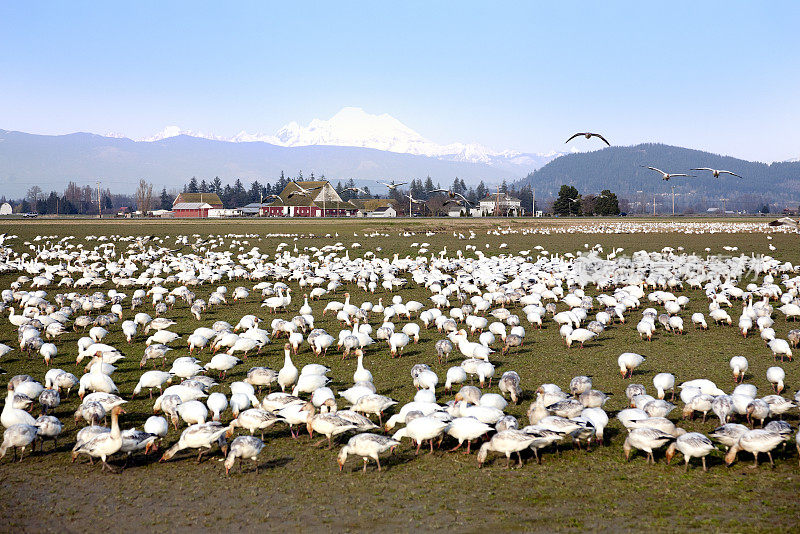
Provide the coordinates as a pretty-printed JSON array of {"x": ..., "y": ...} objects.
[
  {"x": 243, "y": 447},
  {"x": 739, "y": 366},
  {"x": 420, "y": 429},
  {"x": 646, "y": 439},
  {"x": 18, "y": 436},
  {"x": 327, "y": 424},
  {"x": 103, "y": 445},
  {"x": 466, "y": 429},
  {"x": 628, "y": 361},
  {"x": 367, "y": 446},
  {"x": 199, "y": 436},
  {"x": 373, "y": 404},
  {"x": 692, "y": 445},
  {"x": 588, "y": 135},
  {"x": 506, "y": 442},
  {"x": 755, "y": 442}
]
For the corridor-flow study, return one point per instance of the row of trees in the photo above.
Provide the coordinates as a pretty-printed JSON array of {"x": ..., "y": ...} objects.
[
  {"x": 75, "y": 200},
  {"x": 570, "y": 202}
]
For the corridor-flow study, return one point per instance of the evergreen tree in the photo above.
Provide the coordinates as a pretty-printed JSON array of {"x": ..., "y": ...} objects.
[
  {"x": 504, "y": 187},
  {"x": 568, "y": 201},
  {"x": 166, "y": 200},
  {"x": 429, "y": 184},
  {"x": 256, "y": 192},
  {"x": 204, "y": 186},
  {"x": 481, "y": 191},
  {"x": 216, "y": 186},
  {"x": 192, "y": 188},
  {"x": 607, "y": 203}
]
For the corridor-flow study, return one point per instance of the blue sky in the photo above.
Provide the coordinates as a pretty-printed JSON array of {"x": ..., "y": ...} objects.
[{"x": 719, "y": 76}]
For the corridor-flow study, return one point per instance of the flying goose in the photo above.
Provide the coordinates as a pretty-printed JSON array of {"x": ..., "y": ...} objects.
[
  {"x": 588, "y": 135},
  {"x": 666, "y": 175},
  {"x": 716, "y": 172}
]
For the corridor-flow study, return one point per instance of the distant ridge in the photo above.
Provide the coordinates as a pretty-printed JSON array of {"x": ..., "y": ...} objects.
[{"x": 620, "y": 169}]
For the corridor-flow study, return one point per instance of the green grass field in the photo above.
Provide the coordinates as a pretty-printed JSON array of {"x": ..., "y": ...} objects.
[{"x": 299, "y": 486}]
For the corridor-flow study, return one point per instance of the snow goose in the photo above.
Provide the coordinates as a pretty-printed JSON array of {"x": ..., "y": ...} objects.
[
  {"x": 243, "y": 447},
  {"x": 103, "y": 445},
  {"x": 18, "y": 436},
  {"x": 288, "y": 374},
  {"x": 663, "y": 382},
  {"x": 217, "y": 403},
  {"x": 739, "y": 366},
  {"x": 200, "y": 436},
  {"x": 509, "y": 385},
  {"x": 645, "y": 439},
  {"x": 628, "y": 361},
  {"x": 455, "y": 375},
  {"x": 692, "y": 445},
  {"x": 327, "y": 424},
  {"x": 467, "y": 429},
  {"x": 152, "y": 379},
  {"x": 729, "y": 434},
  {"x": 361, "y": 374},
  {"x": 367, "y": 446},
  {"x": 775, "y": 376},
  {"x": 373, "y": 404},
  {"x": 755, "y": 442},
  {"x": 12, "y": 416},
  {"x": 254, "y": 419},
  {"x": 420, "y": 429},
  {"x": 49, "y": 428},
  {"x": 506, "y": 442}
]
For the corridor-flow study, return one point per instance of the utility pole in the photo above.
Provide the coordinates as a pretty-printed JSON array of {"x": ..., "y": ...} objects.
[
  {"x": 673, "y": 201},
  {"x": 99, "y": 207},
  {"x": 533, "y": 204},
  {"x": 724, "y": 200},
  {"x": 654, "y": 204}
]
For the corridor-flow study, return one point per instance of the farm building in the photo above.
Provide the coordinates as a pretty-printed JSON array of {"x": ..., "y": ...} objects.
[
  {"x": 375, "y": 207},
  {"x": 500, "y": 204},
  {"x": 191, "y": 209},
  {"x": 216, "y": 213},
  {"x": 195, "y": 204},
  {"x": 5, "y": 209},
  {"x": 322, "y": 201}
]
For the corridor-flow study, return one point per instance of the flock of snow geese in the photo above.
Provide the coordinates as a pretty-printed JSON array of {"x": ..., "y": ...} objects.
[{"x": 481, "y": 306}]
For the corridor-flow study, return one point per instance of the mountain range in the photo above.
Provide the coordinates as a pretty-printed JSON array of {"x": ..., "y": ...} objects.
[
  {"x": 352, "y": 144},
  {"x": 622, "y": 169}
]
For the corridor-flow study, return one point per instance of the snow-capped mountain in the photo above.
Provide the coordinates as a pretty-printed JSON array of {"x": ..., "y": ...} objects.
[{"x": 353, "y": 127}]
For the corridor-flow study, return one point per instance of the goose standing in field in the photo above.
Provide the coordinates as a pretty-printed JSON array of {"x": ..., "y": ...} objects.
[
  {"x": 663, "y": 382},
  {"x": 466, "y": 429},
  {"x": 506, "y": 442},
  {"x": 49, "y": 428},
  {"x": 327, "y": 424},
  {"x": 739, "y": 366},
  {"x": 692, "y": 445},
  {"x": 261, "y": 376},
  {"x": 361, "y": 374},
  {"x": 13, "y": 416},
  {"x": 509, "y": 384},
  {"x": 755, "y": 442},
  {"x": 628, "y": 361},
  {"x": 199, "y": 436},
  {"x": 103, "y": 445},
  {"x": 780, "y": 347},
  {"x": 152, "y": 379},
  {"x": 373, "y": 404},
  {"x": 367, "y": 446},
  {"x": 243, "y": 447},
  {"x": 455, "y": 375},
  {"x": 288, "y": 375},
  {"x": 775, "y": 376},
  {"x": 420, "y": 429},
  {"x": 18, "y": 436},
  {"x": 645, "y": 439}
]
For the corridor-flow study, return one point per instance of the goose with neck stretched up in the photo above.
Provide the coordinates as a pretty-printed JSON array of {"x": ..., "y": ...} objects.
[{"x": 103, "y": 445}]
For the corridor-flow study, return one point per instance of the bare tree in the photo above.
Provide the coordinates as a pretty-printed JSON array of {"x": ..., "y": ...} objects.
[
  {"x": 33, "y": 194},
  {"x": 144, "y": 196}
]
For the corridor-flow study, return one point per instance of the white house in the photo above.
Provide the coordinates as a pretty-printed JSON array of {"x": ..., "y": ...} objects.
[
  {"x": 500, "y": 204},
  {"x": 383, "y": 211}
]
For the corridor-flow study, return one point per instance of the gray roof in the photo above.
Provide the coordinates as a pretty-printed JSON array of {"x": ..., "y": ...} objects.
[{"x": 191, "y": 206}]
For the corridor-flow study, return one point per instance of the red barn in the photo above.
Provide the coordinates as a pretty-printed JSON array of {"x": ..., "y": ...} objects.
[
  {"x": 195, "y": 204},
  {"x": 191, "y": 209}
]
